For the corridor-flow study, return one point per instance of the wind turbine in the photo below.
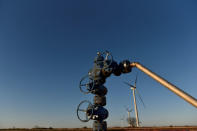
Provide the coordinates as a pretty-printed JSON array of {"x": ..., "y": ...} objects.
[
  {"x": 122, "y": 121},
  {"x": 129, "y": 114},
  {"x": 134, "y": 90}
]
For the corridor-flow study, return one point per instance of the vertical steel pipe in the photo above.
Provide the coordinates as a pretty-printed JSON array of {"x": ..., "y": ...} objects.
[{"x": 167, "y": 84}]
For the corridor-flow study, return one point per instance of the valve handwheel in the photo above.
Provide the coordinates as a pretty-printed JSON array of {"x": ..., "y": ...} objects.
[
  {"x": 108, "y": 59},
  {"x": 86, "y": 85},
  {"x": 107, "y": 62},
  {"x": 88, "y": 111}
]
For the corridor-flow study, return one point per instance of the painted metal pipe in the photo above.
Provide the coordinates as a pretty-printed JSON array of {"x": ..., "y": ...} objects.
[{"x": 167, "y": 84}]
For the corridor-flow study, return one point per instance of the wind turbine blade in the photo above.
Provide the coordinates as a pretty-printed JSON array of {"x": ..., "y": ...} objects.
[
  {"x": 129, "y": 84},
  {"x": 136, "y": 80},
  {"x": 140, "y": 98}
]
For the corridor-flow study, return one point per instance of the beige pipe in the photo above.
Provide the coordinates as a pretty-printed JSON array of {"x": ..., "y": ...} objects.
[{"x": 167, "y": 84}]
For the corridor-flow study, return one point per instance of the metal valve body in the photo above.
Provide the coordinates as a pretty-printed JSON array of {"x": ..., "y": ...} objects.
[{"x": 104, "y": 66}]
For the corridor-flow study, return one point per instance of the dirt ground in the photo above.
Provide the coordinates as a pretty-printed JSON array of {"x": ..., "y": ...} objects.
[{"x": 188, "y": 128}]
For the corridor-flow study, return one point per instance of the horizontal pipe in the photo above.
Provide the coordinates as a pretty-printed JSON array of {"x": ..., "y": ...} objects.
[{"x": 167, "y": 84}]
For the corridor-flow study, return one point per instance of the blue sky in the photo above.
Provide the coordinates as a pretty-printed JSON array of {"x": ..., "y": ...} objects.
[{"x": 46, "y": 47}]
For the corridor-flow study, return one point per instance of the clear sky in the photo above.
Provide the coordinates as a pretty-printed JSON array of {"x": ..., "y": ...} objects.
[{"x": 47, "y": 46}]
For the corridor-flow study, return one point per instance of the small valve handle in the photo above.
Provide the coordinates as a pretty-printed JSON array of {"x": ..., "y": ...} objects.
[
  {"x": 88, "y": 111},
  {"x": 86, "y": 84}
]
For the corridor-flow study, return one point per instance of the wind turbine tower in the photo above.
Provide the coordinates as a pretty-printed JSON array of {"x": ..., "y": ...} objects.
[{"x": 134, "y": 91}]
